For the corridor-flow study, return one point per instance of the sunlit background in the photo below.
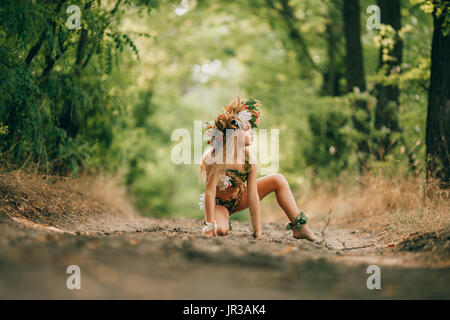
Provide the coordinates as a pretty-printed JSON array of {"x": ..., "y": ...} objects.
[{"x": 161, "y": 65}]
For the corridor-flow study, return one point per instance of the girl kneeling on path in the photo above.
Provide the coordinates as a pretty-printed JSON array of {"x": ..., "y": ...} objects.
[{"x": 230, "y": 175}]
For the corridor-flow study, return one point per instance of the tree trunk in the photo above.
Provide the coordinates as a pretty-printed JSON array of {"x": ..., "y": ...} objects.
[
  {"x": 330, "y": 76},
  {"x": 438, "y": 117},
  {"x": 387, "y": 95},
  {"x": 356, "y": 77},
  {"x": 354, "y": 55},
  {"x": 334, "y": 71}
]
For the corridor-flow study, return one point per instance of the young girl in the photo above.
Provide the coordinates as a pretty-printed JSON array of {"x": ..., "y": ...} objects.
[{"x": 231, "y": 175}]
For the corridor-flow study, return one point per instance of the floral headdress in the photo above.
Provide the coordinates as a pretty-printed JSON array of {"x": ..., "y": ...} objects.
[{"x": 233, "y": 116}]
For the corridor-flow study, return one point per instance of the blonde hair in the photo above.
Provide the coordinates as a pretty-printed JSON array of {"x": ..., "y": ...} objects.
[
  {"x": 208, "y": 167},
  {"x": 208, "y": 170}
]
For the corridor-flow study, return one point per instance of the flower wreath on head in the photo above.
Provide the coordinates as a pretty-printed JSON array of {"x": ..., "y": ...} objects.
[{"x": 232, "y": 117}]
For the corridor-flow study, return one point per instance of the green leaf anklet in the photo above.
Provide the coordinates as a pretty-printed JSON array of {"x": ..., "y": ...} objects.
[{"x": 299, "y": 221}]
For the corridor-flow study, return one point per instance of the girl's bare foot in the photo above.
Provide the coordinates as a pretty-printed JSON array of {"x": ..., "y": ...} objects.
[{"x": 305, "y": 233}]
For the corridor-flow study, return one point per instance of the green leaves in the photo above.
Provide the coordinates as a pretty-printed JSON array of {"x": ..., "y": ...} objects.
[
  {"x": 3, "y": 129},
  {"x": 250, "y": 103},
  {"x": 298, "y": 223}
]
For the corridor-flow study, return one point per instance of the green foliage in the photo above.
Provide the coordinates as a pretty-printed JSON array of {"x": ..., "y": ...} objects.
[
  {"x": 441, "y": 8},
  {"x": 3, "y": 129},
  {"x": 329, "y": 147},
  {"x": 53, "y": 96}
]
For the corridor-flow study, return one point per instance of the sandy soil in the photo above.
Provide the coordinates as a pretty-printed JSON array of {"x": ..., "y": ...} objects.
[
  {"x": 49, "y": 223},
  {"x": 142, "y": 258}
]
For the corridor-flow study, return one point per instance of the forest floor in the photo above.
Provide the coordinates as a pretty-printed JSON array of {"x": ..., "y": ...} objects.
[{"x": 47, "y": 225}]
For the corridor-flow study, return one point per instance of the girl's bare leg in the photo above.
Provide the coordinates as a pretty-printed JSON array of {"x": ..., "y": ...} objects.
[{"x": 278, "y": 183}]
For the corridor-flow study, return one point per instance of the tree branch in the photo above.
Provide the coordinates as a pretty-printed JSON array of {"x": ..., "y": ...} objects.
[
  {"x": 287, "y": 15},
  {"x": 94, "y": 45},
  {"x": 35, "y": 49}
]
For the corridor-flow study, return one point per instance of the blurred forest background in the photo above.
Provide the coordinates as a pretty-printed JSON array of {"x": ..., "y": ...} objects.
[{"x": 349, "y": 101}]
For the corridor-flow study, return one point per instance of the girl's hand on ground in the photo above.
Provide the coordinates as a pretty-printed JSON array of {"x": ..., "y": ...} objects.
[
  {"x": 257, "y": 235},
  {"x": 211, "y": 233}
]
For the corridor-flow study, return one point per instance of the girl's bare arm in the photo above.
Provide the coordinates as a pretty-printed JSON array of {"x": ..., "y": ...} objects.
[
  {"x": 210, "y": 198},
  {"x": 253, "y": 201}
]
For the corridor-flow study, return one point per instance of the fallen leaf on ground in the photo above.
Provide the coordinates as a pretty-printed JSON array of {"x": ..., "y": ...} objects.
[{"x": 283, "y": 251}]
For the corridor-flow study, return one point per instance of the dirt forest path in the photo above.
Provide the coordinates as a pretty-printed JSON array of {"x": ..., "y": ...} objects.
[{"x": 146, "y": 258}]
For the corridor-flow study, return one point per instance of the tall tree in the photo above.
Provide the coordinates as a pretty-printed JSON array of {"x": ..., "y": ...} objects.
[
  {"x": 438, "y": 117},
  {"x": 356, "y": 77},
  {"x": 354, "y": 55},
  {"x": 334, "y": 71},
  {"x": 390, "y": 59}
]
